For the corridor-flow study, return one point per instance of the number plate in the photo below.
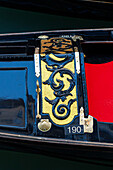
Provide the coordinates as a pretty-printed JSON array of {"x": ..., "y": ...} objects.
[{"x": 71, "y": 130}]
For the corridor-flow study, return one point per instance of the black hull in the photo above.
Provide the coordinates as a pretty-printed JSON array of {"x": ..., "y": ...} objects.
[
  {"x": 92, "y": 152},
  {"x": 96, "y": 146}
]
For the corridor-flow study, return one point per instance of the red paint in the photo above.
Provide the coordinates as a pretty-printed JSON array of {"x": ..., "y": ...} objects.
[{"x": 99, "y": 79}]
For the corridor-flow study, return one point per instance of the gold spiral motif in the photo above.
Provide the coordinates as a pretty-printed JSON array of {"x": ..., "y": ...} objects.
[
  {"x": 53, "y": 56},
  {"x": 48, "y": 92}
]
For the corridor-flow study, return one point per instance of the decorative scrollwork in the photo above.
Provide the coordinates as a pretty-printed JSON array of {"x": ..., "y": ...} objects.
[
  {"x": 53, "y": 60},
  {"x": 58, "y": 90},
  {"x": 56, "y": 46},
  {"x": 63, "y": 111},
  {"x": 56, "y": 54}
]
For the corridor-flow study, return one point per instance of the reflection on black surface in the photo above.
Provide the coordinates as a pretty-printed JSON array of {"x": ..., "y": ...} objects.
[
  {"x": 12, "y": 112},
  {"x": 13, "y": 97}
]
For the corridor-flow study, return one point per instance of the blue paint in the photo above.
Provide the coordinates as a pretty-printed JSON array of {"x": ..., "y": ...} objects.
[
  {"x": 17, "y": 84},
  {"x": 84, "y": 85}
]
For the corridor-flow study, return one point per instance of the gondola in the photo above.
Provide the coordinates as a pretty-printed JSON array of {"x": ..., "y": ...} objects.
[{"x": 56, "y": 93}]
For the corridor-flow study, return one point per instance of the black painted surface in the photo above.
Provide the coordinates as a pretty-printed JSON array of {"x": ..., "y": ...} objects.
[{"x": 25, "y": 21}]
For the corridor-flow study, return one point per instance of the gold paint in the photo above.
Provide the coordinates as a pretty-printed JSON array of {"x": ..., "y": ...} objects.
[
  {"x": 42, "y": 55},
  {"x": 38, "y": 116},
  {"x": 46, "y": 89},
  {"x": 43, "y": 37},
  {"x": 52, "y": 45},
  {"x": 64, "y": 79},
  {"x": 44, "y": 125},
  {"x": 77, "y": 37},
  {"x": 55, "y": 58},
  {"x": 73, "y": 110},
  {"x": 55, "y": 46},
  {"x": 48, "y": 92}
]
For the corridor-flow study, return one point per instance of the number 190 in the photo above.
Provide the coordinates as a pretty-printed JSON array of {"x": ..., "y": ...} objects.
[{"x": 74, "y": 129}]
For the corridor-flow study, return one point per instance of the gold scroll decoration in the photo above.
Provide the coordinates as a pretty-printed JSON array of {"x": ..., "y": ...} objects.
[
  {"x": 56, "y": 46},
  {"x": 58, "y": 70}
]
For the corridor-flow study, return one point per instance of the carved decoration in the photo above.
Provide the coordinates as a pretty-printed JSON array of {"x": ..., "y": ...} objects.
[{"x": 58, "y": 80}]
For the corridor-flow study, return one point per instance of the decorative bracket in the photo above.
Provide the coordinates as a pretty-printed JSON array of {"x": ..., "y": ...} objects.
[
  {"x": 77, "y": 59},
  {"x": 77, "y": 37},
  {"x": 43, "y": 37},
  {"x": 86, "y": 122},
  {"x": 37, "y": 64},
  {"x": 44, "y": 125}
]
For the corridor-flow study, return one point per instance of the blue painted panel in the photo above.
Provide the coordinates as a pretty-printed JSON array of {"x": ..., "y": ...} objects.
[
  {"x": 13, "y": 97},
  {"x": 17, "y": 90}
]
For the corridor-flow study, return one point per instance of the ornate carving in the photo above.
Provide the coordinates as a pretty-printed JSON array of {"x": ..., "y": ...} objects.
[
  {"x": 56, "y": 46},
  {"x": 58, "y": 90},
  {"x": 60, "y": 79}
]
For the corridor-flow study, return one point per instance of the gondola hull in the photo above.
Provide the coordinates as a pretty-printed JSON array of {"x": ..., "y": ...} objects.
[{"x": 33, "y": 84}]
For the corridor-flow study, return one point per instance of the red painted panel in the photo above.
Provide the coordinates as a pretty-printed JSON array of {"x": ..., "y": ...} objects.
[{"x": 99, "y": 79}]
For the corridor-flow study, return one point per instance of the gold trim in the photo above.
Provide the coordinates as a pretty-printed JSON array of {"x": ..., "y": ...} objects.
[
  {"x": 38, "y": 116},
  {"x": 44, "y": 125}
]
